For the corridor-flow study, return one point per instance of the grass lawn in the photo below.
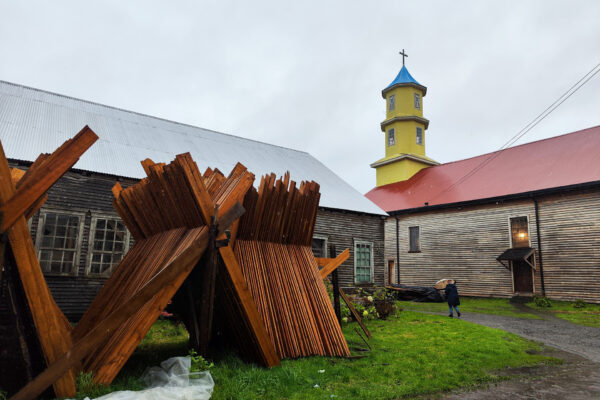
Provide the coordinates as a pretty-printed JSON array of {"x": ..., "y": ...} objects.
[
  {"x": 471, "y": 305},
  {"x": 412, "y": 354},
  {"x": 589, "y": 315}
]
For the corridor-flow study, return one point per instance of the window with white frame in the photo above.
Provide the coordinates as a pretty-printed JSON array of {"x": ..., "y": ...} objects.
[
  {"x": 109, "y": 241},
  {"x": 391, "y": 102},
  {"x": 417, "y": 101},
  {"x": 319, "y": 246},
  {"x": 391, "y": 137},
  {"x": 419, "y": 135},
  {"x": 363, "y": 262},
  {"x": 58, "y": 238}
]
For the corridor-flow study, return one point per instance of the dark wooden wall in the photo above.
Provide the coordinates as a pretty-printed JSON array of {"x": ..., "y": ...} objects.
[
  {"x": 342, "y": 229},
  {"x": 463, "y": 243},
  {"x": 87, "y": 194}
]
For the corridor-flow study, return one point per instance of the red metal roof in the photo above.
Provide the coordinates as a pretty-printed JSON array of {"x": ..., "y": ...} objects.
[{"x": 565, "y": 160}]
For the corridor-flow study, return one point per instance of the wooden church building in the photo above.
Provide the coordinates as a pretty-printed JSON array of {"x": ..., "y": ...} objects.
[
  {"x": 79, "y": 236},
  {"x": 521, "y": 221}
]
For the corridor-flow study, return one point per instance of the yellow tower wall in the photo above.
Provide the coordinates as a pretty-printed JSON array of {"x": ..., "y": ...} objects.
[
  {"x": 398, "y": 171},
  {"x": 406, "y": 139},
  {"x": 405, "y": 103},
  {"x": 401, "y": 166}
]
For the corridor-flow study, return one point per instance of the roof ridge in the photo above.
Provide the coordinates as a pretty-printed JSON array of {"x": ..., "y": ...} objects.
[
  {"x": 514, "y": 147},
  {"x": 147, "y": 115}
]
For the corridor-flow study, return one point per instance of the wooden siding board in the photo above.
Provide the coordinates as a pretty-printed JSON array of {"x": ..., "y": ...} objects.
[{"x": 570, "y": 231}]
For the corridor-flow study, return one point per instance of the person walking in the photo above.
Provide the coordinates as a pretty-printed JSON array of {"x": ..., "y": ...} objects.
[{"x": 452, "y": 298}]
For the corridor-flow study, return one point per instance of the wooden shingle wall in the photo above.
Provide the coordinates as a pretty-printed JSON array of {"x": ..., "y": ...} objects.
[
  {"x": 342, "y": 229},
  {"x": 463, "y": 243},
  {"x": 570, "y": 231}
]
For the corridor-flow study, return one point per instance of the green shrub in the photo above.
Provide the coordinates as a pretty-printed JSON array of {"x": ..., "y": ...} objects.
[
  {"x": 2, "y": 394},
  {"x": 579, "y": 304},
  {"x": 198, "y": 362},
  {"x": 542, "y": 301}
]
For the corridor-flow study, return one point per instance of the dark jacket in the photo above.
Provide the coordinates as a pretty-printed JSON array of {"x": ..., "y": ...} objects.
[{"x": 452, "y": 295}]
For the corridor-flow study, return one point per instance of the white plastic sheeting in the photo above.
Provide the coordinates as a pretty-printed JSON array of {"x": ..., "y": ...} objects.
[{"x": 171, "y": 381}]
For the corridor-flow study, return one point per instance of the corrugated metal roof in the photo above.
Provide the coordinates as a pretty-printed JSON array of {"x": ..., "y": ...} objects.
[
  {"x": 33, "y": 121},
  {"x": 565, "y": 160}
]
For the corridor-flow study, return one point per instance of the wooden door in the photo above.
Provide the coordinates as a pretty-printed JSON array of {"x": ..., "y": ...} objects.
[
  {"x": 391, "y": 272},
  {"x": 523, "y": 277}
]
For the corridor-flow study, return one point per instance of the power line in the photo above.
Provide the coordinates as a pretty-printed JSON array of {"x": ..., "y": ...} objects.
[{"x": 572, "y": 90}]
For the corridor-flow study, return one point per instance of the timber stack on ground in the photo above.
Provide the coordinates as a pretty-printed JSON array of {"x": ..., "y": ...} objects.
[
  {"x": 273, "y": 249},
  {"x": 269, "y": 255},
  {"x": 264, "y": 291}
]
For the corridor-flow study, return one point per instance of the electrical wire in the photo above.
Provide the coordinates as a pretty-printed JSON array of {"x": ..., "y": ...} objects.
[{"x": 572, "y": 90}]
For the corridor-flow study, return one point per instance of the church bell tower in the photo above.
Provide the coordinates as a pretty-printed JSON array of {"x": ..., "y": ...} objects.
[{"x": 404, "y": 130}]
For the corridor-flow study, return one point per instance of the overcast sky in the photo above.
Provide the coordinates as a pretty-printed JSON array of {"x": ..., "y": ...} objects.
[{"x": 308, "y": 74}]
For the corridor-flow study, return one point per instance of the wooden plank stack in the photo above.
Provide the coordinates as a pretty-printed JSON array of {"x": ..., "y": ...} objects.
[
  {"x": 166, "y": 213},
  {"x": 260, "y": 282},
  {"x": 273, "y": 250}
]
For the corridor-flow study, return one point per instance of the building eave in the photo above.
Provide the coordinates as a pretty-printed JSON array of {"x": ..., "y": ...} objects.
[
  {"x": 415, "y": 118},
  {"x": 499, "y": 199},
  {"x": 402, "y": 157},
  {"x": 404, "y": 84}
]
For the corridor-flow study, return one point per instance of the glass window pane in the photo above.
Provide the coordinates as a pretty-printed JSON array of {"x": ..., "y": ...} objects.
[
  {"x": 108, "y": 246},
  {"x": 56, "y": 267},
  {"x": 95, "y": 268},
  {"x": 45, "y": 255},
  {"x": 47, "y": 241},
  {"x": 62, "y": 220},
  {"x": 59, "y": 242},
  {"x": 68, "y": 256}
]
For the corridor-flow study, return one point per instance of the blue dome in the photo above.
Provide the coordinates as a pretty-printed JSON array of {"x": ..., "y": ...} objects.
[{"x": 403, "y": 77}]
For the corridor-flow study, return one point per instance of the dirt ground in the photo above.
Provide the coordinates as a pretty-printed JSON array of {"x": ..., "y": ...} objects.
[{"x": 577, "y": 378}]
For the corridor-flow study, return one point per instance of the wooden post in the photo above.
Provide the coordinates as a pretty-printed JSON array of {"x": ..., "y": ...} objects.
[
  {"x": 209, "y": 277},
  {"x": 194, "y": 326},
  {"x": 336, "y": 286}
]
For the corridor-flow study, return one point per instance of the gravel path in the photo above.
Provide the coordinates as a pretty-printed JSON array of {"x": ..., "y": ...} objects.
[{"x": 552, "y": 331}]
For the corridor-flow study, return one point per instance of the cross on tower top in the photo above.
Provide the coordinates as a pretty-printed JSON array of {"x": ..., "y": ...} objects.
[{"x": 403, "y": 56}]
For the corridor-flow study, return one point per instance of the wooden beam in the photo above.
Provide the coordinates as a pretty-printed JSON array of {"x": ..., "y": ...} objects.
[
  {"x": 323, "y": 261},
  {"x": 249, "y": 307},
  {"x": 53, "y": 334},
  {"x": 334, "y": 263},
  {"x": 34, "y": 185},
  {"x": 335, "y": 282},
  {"x": 182, "y": 265},
  {"x": 354, "y": 313}
]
